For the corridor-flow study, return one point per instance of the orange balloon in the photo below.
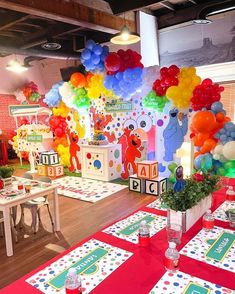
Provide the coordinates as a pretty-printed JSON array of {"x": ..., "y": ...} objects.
[
  {"x": 60, "y": 140},
  {"x": 88, "y": 77},
  {"x": 220, "y": 116},
  {"x": 204, "y": 121},
  {"x": 208, "y": 145},
  {"x": 78, "y": 80},
  {"x": 199, "y": 139}
]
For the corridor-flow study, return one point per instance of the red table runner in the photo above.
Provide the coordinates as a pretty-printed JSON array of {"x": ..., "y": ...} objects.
[{"x": 144, "y": 269}]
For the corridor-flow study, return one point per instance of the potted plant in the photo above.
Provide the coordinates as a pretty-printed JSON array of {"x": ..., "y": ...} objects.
[
  {"x": 188, "y": 205},
  {"x": 5, "y": 174}
]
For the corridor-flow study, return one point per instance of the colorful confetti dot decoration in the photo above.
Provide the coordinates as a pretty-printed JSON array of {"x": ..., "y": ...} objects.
[
  {"x": 50, "y": 280},
  {"x": 179, "y": 282}
]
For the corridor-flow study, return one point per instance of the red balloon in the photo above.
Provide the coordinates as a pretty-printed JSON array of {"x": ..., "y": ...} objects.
[
  {"x": 173, "y": 70},
  {"x": 112, "y": 62}
]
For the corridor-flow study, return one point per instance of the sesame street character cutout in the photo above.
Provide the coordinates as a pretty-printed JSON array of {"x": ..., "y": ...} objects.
[
  {"x": 73, "y": 150},
  {"x": 100, "y": 122},
  {"x": 180, "y": 182},
  {"x": 174, "y": 133},
  {"x": 131, "y": 153},
  {"x": 144, "y": 127}
]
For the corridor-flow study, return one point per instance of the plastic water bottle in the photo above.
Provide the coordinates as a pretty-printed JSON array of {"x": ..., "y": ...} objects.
[
  {"x": 230, "y": 194},
  {"x": 144, "y": 235},
  {"x": 172, "y": 257},
  {"x": 73, "y": 283},
  {"x": 208, "y": 221}
]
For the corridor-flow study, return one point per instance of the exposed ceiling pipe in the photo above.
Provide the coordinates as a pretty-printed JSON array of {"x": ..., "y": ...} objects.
[
  {"x": 39, "y": 53},
  {"x": 213, "y": 8}
]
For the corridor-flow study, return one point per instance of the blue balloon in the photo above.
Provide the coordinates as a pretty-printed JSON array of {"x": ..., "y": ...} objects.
[
  {"x": 119, "y": 76},
  {"x": 222, "y": 131},
  {"x": 203, "y": 162},
  {"x": 106, "y": 49},
  {"x": 86, "y": 54},
  {"x": 217, "y": 107},
  {"x": 233, "y": 134},
  {"x": 53, "y": 97},
  {"x": 95, "y": 59},
  {"x": 97, "y": 49},
  {"x": 90, "y": 44},
  {"x": 223, "y": 138},
  {"x": 230, "y": 127}
]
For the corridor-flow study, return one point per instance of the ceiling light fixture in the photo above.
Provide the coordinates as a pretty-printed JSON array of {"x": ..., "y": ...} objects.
[
  {"x": 51, "y": 45},
  {"x": 202, "y": 21},
  {"x": 16, "y": 66},
  {"x": 125, "y": 37}
]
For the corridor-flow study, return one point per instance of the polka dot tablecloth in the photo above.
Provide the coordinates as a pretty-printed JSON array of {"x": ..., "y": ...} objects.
[
  {"x": 93, "y": 275},
  {"x": 156, "y": 204},
  {"x": 86, "y": 189},
  {"x": 219, "y": 213},
  {"x": 198, "y": 247},
  {"x": 156, "y": 223},
  {"x": 181, "y": 283}
]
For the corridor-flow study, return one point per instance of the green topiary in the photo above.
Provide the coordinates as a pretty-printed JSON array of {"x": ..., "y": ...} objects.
[
  {"x": 6, "y": 171},
  {"x": 192, "y": 193}
]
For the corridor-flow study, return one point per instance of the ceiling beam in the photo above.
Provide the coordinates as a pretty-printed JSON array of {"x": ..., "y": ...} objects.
[
  {"x": 70, "y": 12},
  {"x": 182, "y": 15},
  {"x": 6, "y": 26},
  {"x": 118, "y": 6}
]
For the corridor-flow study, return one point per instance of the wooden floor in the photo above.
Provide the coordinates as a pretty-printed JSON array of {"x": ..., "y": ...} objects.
[{"x": 79, "y": 220}]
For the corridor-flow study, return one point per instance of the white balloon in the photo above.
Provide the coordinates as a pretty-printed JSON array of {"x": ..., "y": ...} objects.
[
  {"x": 229, "y": 150},
  {"x": 216, "y": 156},
  {"x": 218, "y": 149}
]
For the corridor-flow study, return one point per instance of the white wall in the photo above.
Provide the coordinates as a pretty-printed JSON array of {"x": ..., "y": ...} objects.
[{"x": 149, "y": 44}]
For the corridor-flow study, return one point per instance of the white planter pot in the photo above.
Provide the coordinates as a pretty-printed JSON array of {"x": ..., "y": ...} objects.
[
  {"x": 7, "y": 181},
  {"x": 189, "y": 217}
]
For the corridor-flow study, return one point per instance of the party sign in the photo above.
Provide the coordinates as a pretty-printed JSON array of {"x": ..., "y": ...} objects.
[
  {"x": 127, "y": 228},
  {"x": 87, "y": 265},
  {"x": 181, "y": 283},
  {"x": 94, "y": 261},
  {"x": 221, "y": 246},
  {"x": 215, "y": 247}
]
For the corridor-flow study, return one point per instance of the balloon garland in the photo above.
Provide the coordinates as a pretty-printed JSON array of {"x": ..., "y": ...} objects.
[{"x": 120, "y": 75}]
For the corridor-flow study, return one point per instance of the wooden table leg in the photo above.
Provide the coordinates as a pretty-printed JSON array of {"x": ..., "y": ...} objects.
[
  {"x": 56, "y": 214},
  {"x": 7, "y": 229}
]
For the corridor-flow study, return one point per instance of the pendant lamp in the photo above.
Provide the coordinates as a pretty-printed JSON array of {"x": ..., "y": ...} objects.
[{"x": 125, "y": 37}]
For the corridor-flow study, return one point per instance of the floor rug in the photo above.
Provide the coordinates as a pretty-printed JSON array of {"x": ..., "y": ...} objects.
[
  {"x": 181, "y": 283},
  {"x": 94, "y": 261},
  {"x": 86, "y": 189},
  {"x": 127, "y": 228}
]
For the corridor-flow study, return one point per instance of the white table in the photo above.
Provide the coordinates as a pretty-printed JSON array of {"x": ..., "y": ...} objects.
[{"x": 7, "y": 203}]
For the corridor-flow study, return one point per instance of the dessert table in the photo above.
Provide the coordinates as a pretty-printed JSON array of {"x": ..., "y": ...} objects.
[
  {"x": 116, "y": 264},
  {"x": 10, "y": 197}
]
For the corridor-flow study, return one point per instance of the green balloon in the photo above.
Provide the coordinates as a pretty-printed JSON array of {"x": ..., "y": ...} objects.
[
  {"x": 221, "y": 171},
  {"x": 172, "y": 166}
]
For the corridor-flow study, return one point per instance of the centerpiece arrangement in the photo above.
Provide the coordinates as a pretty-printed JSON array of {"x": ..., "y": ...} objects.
[
  {"x": 186, "y": 206},
  {"x": 5, "y": 175}
]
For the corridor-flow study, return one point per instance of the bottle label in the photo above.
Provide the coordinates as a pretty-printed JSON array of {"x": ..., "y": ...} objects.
[
  {"x": 144, "y": 240},
  {"x": 74, "y": 291},
  {"x": 230, "y": 197},
  {"x": 171, "y": 264},
  {"x": 208, "y": 224}
]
